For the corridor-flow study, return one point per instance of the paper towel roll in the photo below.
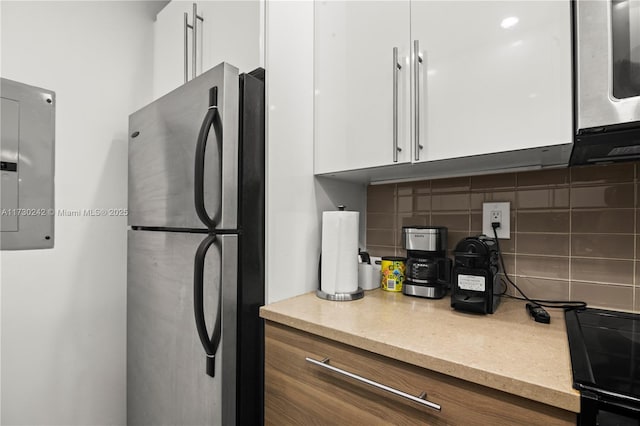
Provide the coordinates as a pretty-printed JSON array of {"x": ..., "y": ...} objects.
[{"x": 339, "y": 269}]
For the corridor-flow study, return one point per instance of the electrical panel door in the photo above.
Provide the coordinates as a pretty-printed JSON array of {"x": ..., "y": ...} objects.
[{"x": 27, "y": 128}]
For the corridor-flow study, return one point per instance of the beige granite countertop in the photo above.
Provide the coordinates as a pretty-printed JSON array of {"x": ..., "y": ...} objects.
[{"x": 506, "y": 351}]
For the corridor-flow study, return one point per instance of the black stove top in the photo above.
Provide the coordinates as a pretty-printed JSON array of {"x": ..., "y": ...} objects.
[{"x": 605, "y": 354}]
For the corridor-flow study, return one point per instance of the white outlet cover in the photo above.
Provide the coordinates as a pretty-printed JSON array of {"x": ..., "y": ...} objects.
[{"x": 504, "y": 232}]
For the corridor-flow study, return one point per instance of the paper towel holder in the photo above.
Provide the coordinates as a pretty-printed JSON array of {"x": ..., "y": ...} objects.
[
  {"x": 341, "y": 297},
  {"x": 336, "y": 297}
]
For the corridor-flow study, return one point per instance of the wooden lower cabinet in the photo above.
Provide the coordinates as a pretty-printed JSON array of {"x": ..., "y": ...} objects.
[{"x": 300, "y": 393}]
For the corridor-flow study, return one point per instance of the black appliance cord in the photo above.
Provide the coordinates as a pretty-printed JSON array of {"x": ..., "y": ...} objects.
[{"x": 553, "y": 304}]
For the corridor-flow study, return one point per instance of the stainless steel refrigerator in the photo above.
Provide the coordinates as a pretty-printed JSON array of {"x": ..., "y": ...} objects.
[{"x": 196, "y": 254}]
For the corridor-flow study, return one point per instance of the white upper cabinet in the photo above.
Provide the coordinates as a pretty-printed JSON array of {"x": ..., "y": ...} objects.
[
  {"x": 228, "y": 31},
  {"x": 233, "y": 32},
  {"x": 355, "y": 84},
  {"x": 491, "y": 76},
  {"x": 169, "y": 47}
]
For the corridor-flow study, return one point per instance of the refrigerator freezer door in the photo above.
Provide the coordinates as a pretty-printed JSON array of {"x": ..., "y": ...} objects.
[
  {"x": 162, "y": 151},
  {"x": 166, "y": 379}
]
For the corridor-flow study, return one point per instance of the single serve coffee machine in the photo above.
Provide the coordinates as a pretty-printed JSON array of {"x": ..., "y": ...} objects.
[
  {"x": 428, "y": 270},
  {"x": 476, "y": 284}
]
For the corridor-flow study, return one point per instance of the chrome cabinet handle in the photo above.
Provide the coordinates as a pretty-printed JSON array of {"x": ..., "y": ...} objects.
[
  {"x": 396, "y": 67},
  {"x": 417, "y": 399},
  {"x": 194, "y": 45},
  {"x": 186, "y": 46},
  {"x": 417, "y": 60}
]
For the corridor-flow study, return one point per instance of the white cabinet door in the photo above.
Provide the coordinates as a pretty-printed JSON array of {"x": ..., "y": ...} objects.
[
  {"x": 169, "y": 47},
  {"x": 354, "y": 83},
  {"x": 232, "y": 32},
  {"x": 495, "y": 76}
]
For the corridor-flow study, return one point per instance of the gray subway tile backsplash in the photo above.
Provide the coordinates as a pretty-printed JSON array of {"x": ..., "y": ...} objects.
[
  {"x": 405, "y": 204},
  {"x": 455, "y": 221},
  {"x": 542, "y": 288},
  {"x": 574, "y": 232},
  {"x": 381, "y": 237},
  {"x": 544, "y": 244},
  {"x": 380, "y": 220},
  {"x": 493, "y": 182},
  {"x": 602, "y": 270},
  {"x": 614, "y": 246},
  {"x": 381, "y": 199},
  {"x": 554, "y": 177},
  {"x": 603, "y": 221},
  {"x": 543, "y": 221},
  {"x": 605, "y": 295},
  {"x": 450, "y": 202},
  {"x": 553, "y": 267},
  {"x": 613, "y": 173},
  {"x": 545, "y": 198},
  {"x": 604, "y": 196},
  {"x": 462, "y": 184}
]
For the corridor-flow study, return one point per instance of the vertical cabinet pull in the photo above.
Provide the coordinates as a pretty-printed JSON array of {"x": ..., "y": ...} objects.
[
  {"x": 396, "y": 68},
  {"x": 194, "y": 44},
  {"x": 417, "y": 60},
  {"x": 186, "y": 46},
  {"x": 417, "y": 399}
]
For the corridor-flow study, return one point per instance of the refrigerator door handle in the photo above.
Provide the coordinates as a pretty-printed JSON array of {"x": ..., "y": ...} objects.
[
  {"x": 210, "y": 344},
  {"x": 211, "y": 119}
]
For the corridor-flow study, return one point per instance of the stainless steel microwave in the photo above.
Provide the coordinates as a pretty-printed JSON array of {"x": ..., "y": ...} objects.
[{"x": 607, "y": 81}]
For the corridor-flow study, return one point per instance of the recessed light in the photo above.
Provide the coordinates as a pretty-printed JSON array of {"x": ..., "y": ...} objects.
[{"x": 509, "y": 22}]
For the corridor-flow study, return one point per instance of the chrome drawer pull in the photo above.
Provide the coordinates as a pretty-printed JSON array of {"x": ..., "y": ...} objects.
[{"x": 419, "y": 399}]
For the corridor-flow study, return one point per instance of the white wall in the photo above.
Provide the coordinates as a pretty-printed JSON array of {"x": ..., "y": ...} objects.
[
  {"x": 295, "y": 199},
  {"x": 64, "y": 310}
]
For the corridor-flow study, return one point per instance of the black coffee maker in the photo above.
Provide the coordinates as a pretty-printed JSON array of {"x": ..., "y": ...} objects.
[
  {"x": 476, "y": 284},
  {"x": 427, "y": 270}
]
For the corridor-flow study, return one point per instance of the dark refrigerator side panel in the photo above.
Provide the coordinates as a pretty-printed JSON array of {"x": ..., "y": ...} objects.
[{"x": 251, "y": 215}]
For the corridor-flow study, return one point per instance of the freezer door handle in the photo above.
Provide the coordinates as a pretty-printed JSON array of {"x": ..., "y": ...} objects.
[
  {"x": 210, "y": 344},
  {"x": 211, "y": 119}
]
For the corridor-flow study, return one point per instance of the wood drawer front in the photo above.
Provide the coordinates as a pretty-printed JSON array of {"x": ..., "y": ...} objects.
[{"x": 297, "y": 392}]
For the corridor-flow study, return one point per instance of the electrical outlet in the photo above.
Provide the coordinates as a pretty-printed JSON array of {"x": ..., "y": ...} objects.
[
  {"x": 497, "y": 212},
  {"x": 495, "y": 216}
]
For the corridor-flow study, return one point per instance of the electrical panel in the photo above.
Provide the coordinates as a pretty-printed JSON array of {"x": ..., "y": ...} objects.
[{"x": 27, "y": 141}]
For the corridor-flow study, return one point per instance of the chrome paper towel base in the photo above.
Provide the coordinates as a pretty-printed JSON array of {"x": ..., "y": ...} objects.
[{"x": 341, "y": 297}]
